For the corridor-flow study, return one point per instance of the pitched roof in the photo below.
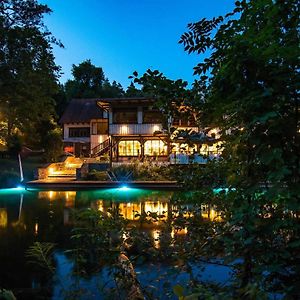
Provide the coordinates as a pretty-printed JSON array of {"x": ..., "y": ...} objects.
[{"x": 81, "y": 111}]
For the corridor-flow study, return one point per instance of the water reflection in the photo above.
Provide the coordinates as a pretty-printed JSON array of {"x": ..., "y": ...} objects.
[
  {"x": 3, "y": 217},
  {"x": 153, "y": 205},
  {"x": 29, "y": 216}
]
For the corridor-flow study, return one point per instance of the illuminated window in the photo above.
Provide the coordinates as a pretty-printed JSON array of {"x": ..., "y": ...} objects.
[
  {"x": 129, "y": 148},
  {"x": 155, "y": 147},
  {"x": 177, "y": 147}
]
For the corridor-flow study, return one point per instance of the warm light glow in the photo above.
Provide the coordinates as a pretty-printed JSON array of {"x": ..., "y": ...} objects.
[
  {"x": 156, "y": 234},
  {"x": 156, "y": 128},
  {"x": 124, "y": 129},
  {"x": 155, "y": 147},
  {"x": 70, "y": 199},
  {"x": 161, "y": 208},
  {"x": 178, "y": 147},
  {"x": 210, "y": 213},
  {"x": 3, "y": 217},
  {"x": 36, "y": 228},
  {"x": 50, "y": 170},
  {"x": 51, "y": 194},
  {"x": 129, "y": 148}
]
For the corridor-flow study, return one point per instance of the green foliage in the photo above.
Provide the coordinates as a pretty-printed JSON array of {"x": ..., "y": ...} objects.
[
  {"x": 28, "y": 73},
  {"x": 90, "y": 82},
  {"x": 41, "y": 255},
  {"x": 198, "y": 177},
  {"x": 14, "y": 144},
  {"x": 97, "y": 175},
  {"x": 251, "y": 96},
  {"x": 172, "y": 97},
  {"x": 132, "y": 91},
  {"x": 96, "y": 238},
  {"x": 141, "y": 171},
  {"x": 52, "y": 143},
  {"x": 6, "y": 295}
]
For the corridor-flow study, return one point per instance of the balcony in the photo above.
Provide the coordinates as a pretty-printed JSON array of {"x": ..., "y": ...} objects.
[{"x": 134, "y": 129}]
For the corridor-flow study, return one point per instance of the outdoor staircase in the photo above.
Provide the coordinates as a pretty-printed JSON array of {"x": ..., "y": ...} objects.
[
  {"x": 101, "y": 148},
  {"x": 65, "y": 169}
]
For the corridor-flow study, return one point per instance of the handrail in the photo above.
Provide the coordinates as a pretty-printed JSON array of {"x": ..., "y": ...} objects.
[{"x": 101, "y": 146}]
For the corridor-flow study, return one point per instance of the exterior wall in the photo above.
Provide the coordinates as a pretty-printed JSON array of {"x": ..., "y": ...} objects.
[
  {"x": 133, "y": 129},
  {"x": 140, "y": 115}
]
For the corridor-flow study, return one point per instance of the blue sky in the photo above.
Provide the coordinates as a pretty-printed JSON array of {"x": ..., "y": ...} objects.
[{"x": 123, "y": 36}]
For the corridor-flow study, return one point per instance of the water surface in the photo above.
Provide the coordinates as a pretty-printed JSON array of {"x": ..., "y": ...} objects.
[{"x": 46, "y": 216}]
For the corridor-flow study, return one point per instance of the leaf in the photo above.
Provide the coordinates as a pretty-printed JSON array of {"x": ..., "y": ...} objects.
[{"x": 178, "y": 290}]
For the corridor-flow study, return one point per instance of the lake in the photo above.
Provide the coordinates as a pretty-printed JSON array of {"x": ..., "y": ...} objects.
[{"x": 48, "y": 216}]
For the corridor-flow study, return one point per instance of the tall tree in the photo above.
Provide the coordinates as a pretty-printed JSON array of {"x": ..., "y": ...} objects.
[
  {"x": 90, "y": 82},
  {"x": 253, "y": 96},
  {"x": 87, "y": 82},
  {"x": 28, "y": 73}
]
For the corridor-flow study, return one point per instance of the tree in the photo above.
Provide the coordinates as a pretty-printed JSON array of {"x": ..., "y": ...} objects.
[
  {"x": 87, "y": 82},
  {"x": 252, "y": 95},
  {"x": 28, "y": 73},
  {"x": 113, "y": 90},
  {"x": 132, "y": 91},
  {"x": 90, "y": 82}
]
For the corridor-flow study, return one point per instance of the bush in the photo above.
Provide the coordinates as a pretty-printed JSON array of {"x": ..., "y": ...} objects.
[
  {"x": 146, "y": 171},
  {"x": 53, "y": 145},
  {"x": 97, "y": 175}
]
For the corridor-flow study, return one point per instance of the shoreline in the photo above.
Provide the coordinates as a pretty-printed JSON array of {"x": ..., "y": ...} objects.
[{"x": 60, "y": 184}]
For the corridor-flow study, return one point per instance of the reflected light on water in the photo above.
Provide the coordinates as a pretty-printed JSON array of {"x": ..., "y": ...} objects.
[
  {"x": 36, "y": 228},
  {"x": 3, "y": 217}
]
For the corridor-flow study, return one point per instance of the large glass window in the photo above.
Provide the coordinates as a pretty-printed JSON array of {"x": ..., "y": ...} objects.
[
  {"x": 124, "y": 115},
  {"x": 79, "y": 132},
  {"x": 151, "y": 116},
  {"x": 129, "y": 148},
  {"x": 100, "y": 127},
  {"x": 155, "y": 147}
]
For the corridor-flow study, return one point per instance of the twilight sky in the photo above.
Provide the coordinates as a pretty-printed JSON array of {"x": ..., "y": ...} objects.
[{"x": 122, "y": 36}]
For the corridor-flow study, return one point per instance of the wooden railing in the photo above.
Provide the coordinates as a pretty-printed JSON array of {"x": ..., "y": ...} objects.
[{"x": 99, "y": 149}]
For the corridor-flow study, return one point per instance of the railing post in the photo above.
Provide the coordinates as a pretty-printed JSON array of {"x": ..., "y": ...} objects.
[{"x": 110, "y": 152}]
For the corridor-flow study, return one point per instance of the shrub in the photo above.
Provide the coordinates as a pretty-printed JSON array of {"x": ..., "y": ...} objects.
[
  {"x": 97, "y": 175},
  {"x": 53, "y": 145}
]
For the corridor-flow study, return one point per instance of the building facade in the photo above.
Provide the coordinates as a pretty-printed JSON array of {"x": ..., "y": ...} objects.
[{"x": 123, "y": 129}]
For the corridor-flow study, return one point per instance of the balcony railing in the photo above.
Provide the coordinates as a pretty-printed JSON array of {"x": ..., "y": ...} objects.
[{"x": 132, "y": 129}]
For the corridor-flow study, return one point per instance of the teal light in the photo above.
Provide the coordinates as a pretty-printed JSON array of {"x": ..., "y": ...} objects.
[
  {"x": 124, "y": 188},
  {"x": 226, "y": 190},
  {"x": 16, "y": 190}
]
